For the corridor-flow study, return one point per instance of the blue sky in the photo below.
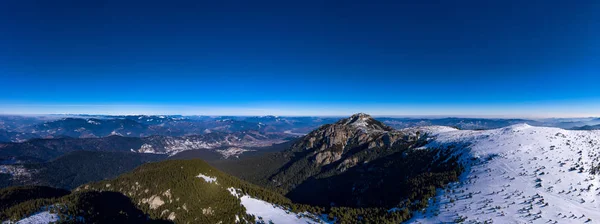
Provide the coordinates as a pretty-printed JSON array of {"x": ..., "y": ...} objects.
[{"x": 484, "y": 58}]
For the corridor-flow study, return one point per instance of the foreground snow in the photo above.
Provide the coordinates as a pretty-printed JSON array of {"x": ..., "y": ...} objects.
[
  {"x": 38, "y": 218},
  {"x": 269, "y": 212},
  {"x": 518, "y": 174}
]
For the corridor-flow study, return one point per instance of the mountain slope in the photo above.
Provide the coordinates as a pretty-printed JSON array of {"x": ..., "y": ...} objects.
[
  {"x": 519, "y": 174},
  {"x": 357, "y": 169},
  {"x": 336, "y": 146},
  {"x": 182, "y": 191}
]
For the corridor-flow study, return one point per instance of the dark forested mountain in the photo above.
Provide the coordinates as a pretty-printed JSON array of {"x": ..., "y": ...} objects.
[
  {"x": 47, "y": 149},
  {"x": 359, "y": 162},
  {"x": 76, "y": 168}
]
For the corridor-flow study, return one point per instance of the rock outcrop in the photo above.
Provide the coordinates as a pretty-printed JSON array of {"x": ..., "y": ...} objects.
[{"x": 329, "y": 142}]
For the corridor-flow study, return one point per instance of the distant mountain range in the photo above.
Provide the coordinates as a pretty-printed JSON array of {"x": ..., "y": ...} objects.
[
  {"x": 587, "y": 127},
  {"x": 19, "y": 129},
  {"x": 218, "y": 142},
  {"x": 22, "y": 128}
]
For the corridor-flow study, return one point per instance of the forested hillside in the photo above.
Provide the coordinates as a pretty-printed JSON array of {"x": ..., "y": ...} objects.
[{"x": 76, "y": 168}]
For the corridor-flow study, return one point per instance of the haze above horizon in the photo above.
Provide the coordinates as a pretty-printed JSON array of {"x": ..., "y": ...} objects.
[{"x": 328, "y": 58}]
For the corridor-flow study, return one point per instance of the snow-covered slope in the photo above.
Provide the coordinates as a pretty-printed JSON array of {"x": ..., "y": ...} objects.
[
  {"x": 265, "y": 211},
  {"x": 39, "y": 218},
  {"x": 519, "y": 174},
  {"x": 268, "y": 212}
]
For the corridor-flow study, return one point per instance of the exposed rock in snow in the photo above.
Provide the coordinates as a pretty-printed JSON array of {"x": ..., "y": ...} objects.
[
  {"x": 115, "y": 133},
  {"x": 519, "y": 174},
  {"x": 146, "y": 148},
  {"x": 364, "y": 123}
]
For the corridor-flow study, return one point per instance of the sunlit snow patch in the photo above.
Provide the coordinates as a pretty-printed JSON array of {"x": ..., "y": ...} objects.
[
  {"x": 208, "y": 179},
  {"x": 42, "y": 217},
  {"x": 270, "y": 212}
]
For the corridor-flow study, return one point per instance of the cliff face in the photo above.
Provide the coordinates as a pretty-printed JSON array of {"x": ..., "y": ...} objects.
[
  {"x": 328, "y": 143},
  {"x": 335, "y": 148}
]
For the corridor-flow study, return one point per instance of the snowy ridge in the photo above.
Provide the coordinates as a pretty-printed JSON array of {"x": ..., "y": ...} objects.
[
  {"x": 364, "y": 123},
  {"x": 360, "y": 121},
  {"x": 518, "y": 174},
  {"x": 428, "y": 129}
]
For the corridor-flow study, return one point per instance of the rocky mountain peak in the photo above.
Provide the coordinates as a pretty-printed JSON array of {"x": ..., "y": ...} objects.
[
  {"x": 358, "y": 118},
  {"x": 329, "y": 142},
  {"x": 364, "y": 122}
]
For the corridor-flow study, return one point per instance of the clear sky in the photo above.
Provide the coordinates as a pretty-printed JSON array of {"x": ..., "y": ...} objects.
[{"x": 488, "y": 58}]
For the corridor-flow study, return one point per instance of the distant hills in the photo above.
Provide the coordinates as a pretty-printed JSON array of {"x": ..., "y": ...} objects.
[{"x": 587, "y": 127}]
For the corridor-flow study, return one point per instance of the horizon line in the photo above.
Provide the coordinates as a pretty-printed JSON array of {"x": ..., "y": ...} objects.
[{"x": 314, "y": 115}]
